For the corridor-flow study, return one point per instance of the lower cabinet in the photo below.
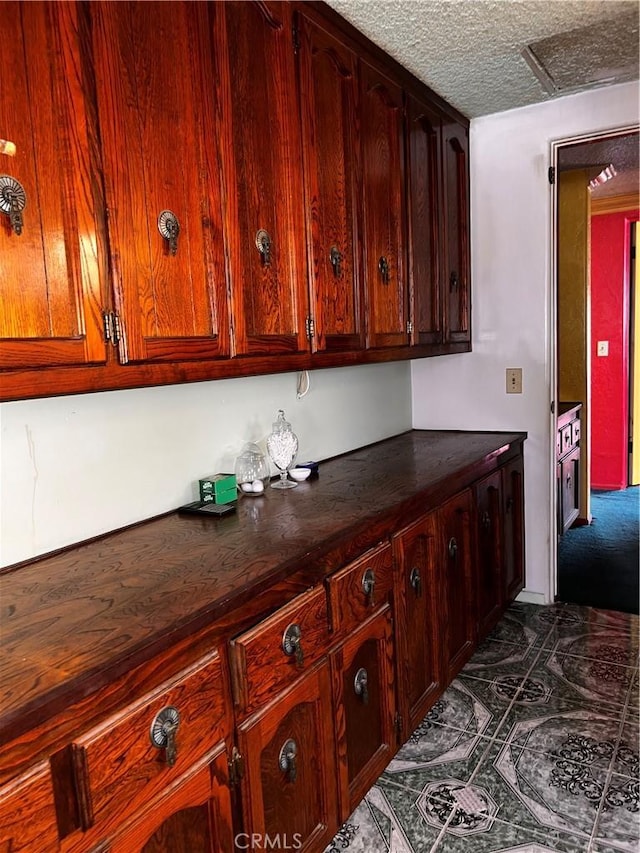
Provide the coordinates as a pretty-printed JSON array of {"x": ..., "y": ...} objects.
[
  {"x": 271, "y": 739},
  {"x": 362, "y": 671},
  {"x": 458, "y": 582},
  {"x": 192, "y": 816},
  {"x": 288, "y": 787},
  {"x": 418, "y": 634},
  {"x": 27, "y": 814},
  {"x": 489, "y": 545}
]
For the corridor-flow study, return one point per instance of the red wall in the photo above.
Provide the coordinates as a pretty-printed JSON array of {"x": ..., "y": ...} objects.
[{"x": 610, "y": 247}]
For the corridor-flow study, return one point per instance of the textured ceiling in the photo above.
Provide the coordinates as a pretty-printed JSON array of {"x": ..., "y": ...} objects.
[
  {"x": 621, "y": 152},
  {"x": 470, "y": 51}
]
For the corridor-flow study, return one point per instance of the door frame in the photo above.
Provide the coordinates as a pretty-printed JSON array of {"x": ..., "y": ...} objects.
[{"x": 552, "y": 316}]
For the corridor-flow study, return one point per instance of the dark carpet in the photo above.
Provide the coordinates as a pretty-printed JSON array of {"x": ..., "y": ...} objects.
[{"x": 598, "y": 564}]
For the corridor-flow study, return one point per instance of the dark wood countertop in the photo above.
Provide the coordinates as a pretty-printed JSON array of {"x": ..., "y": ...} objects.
[{"x": 72, "y": 622}]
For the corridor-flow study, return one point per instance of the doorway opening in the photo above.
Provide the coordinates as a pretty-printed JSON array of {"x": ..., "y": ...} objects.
[{"x": 595, "y": 363}]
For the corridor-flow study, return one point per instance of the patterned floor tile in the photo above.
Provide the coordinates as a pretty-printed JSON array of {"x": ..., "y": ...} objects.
[
  {"x": 596, "y": 616},
  {"x": 494, "y": 656},
  {"x": 602, "y": 644},
  {"x": 386, "y": 821},
  {"x": 542, "y": 793},
  {"x": 626, "y": 758},
  {"x": 586, "y": 679},
  {"x": 501, "y": 837},
  {"x": 619, "y": 820},
  {"x": 535, "y": 619}
]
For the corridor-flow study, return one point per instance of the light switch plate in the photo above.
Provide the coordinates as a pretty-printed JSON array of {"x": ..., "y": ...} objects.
[
  {"x": 514, "y": 380},
  {"x": 603, "y": 348}
]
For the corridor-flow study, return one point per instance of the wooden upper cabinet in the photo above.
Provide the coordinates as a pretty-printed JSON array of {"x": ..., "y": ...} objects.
[
  {"x": 457, "y": 274},
  {"x": 425, "y": 231},
  {"x": 262, "y": 160},
  {"x": 50, "y": 282},
  {"x": 328, "y": 106},
  {"x": 155, "y": 86},
  {"x": 383, "y": 195}
]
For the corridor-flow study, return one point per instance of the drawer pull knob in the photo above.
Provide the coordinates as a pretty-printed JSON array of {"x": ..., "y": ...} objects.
[
  {"x": 13, "y": 200},
  {"x": 369, "y": 585},
  {"x": 385, "y": 270},
  {"x": 287, "y": 759},
  {"x": 509, "y": 504},
  {"x": 292, "y": 643},
  {"x": 169, "y": 228},
  {"x": 264, "y": 245},
  {"x": 416, "y": 581},
  {"x": 360, "y": 685},
  {"x": 453, "y": 548},
  {"x": 486, "y": 520},
  {"x": 336, "y": 257},
  {"x": 163, "y": 732}
]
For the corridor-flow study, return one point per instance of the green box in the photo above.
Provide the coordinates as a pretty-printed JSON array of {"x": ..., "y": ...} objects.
[
  {"x": 226, "y": 497},
  {"x": 217, "y": 484}
]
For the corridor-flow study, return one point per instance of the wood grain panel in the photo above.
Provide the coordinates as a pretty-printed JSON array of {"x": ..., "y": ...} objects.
[
  {"x": 349, "y": 604},
  {"x": 27, "y": 817},
  {"x": 425, "y": 229},
  {"x": 455, "y": 146},
  {"x": 383, "y": 200},
  {"x": 329, "y": 106},
  {"x": 159, "y": 139},
  {"x": 260, "y": 135},
  {"x": 50, "y": 283}
]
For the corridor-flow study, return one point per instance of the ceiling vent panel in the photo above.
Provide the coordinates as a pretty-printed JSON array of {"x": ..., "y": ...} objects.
[{"x": 584, "y": 58}]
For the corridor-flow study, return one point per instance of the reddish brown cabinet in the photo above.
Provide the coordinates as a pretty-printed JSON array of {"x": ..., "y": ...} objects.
[
  {"x": 418, "y": 620},
  {"x": 289, "y": 782},
  {"x": 329, "y": 110},
  {"x": 52, "y": 284},
  {"x": 383, "y": 196},
  {"x": 362, "y": 669},
  {"x": 489, "y": 550},
  {"x": 455, "y": 552},
  {"x": 425, "y": 225},
  {"x": 163, "y": 193},
  {"x": 568, "y": 465},
  {"x": 457, "y": 270},
  {"x": 262, "y": 162},
  {"x": 27, "y": 815},
  {"x": 513, "y": 528}
]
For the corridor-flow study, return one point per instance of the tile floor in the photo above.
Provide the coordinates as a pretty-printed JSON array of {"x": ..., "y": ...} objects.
[{"x": 533, "y": 748}]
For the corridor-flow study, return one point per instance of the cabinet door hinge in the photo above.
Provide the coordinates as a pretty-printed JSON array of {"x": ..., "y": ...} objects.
[
  {"x": 552, "y": 174},
  {"x": 409, "y": 327},
  {"x": 310, "y": 327},
  {"x": 236, "y": 767},
  {"x": 296, "y": 38},
  {"x": 111, "y": 327}
]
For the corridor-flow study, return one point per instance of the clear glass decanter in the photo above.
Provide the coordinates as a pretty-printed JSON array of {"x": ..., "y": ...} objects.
[{"x": 282, "y": 446}]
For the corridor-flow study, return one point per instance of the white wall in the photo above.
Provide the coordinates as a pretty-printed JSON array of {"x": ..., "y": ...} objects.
[
  {"x": 75, "y": 467},
  {"x": 511, "y": 272}
]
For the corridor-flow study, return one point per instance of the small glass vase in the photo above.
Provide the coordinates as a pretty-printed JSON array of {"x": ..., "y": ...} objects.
[{"x": 282, "y": 447}]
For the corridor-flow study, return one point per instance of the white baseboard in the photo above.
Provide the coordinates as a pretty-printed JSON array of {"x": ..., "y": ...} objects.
[{"x": 531, "y": 597}]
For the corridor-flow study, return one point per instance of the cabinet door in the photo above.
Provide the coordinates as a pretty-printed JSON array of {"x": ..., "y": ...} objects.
[
  {"x": 289, "y": 785},
  {"x": 489, "y": 572},
  {"x": 263, "y": 165},
  {"x": 569, "y": 485},
  {"x": 362, "y": 670},
  {"x": 27, "y": 815},
  {"x": 384, "y": 200},
  {"x": 459, "y": 581},
  {"x": 328, "y": 96},
  {"x": 513, "y": 527},
  {"x": 457, "y": 275},
  {"x": 155, "y": 87},
  {"x": 192, "y": 816},
  {"x": 425, "y": 232},
  {"x": 50, "y": 282},
  {"x": 418, "y": 620}
]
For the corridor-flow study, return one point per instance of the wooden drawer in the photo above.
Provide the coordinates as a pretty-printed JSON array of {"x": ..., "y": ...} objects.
[
  {"x": 118, "y": 768},
  {"x": 575, "y": 432},
  {"x": 356, "y": 590},
  {"x": 566, "y": 438},
  {"x": 264, "y": 659}
]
